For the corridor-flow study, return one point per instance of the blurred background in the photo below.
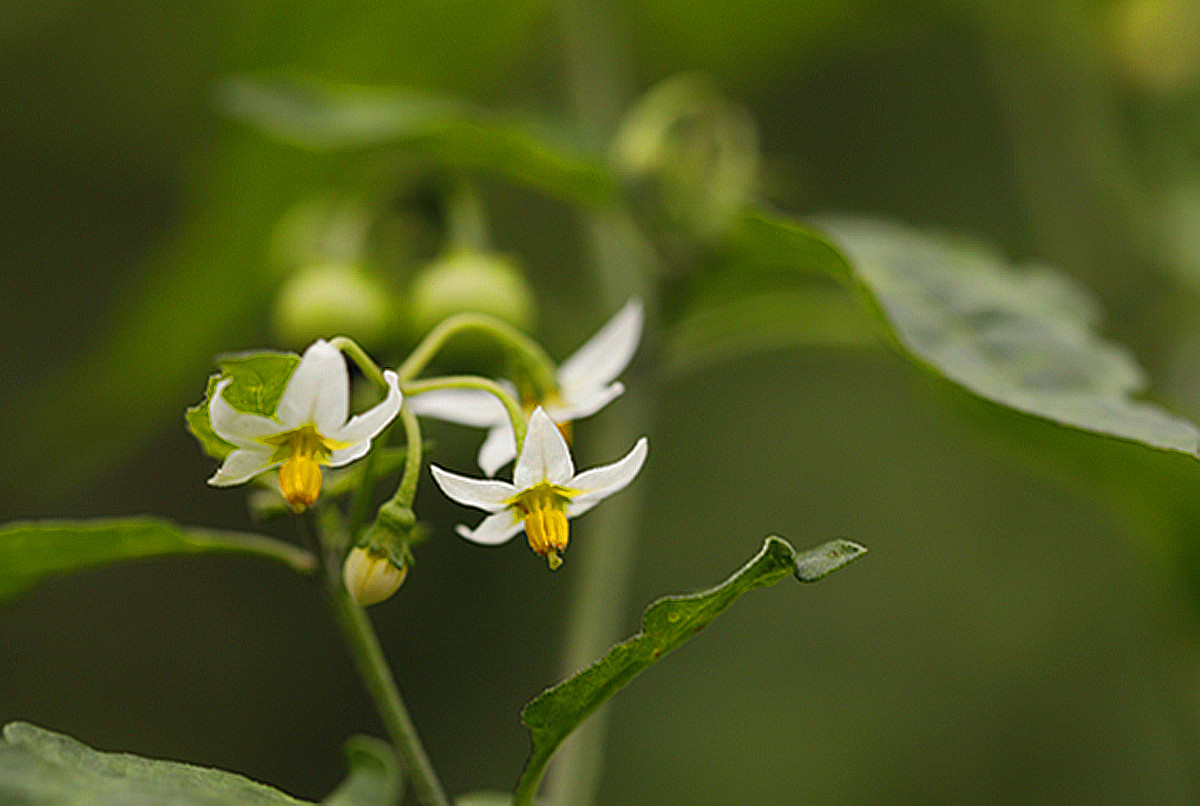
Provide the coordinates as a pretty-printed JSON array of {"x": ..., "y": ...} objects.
[{"x": 1016, "y": 635}]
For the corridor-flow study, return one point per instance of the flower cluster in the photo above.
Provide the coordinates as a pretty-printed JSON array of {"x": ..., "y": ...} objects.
[{"x": 311, "y": 427}]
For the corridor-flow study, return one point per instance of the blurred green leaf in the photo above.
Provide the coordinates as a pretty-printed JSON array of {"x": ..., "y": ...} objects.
[
  {"x": 374, "y": 779},
  {"x": 40, "y": 768},
  {"x": 1024, "y": 339},
  {"x": 33, "y": 552},
  {"x": 666, "y": 624},
  {"x": 258, "y": 381},
  {"x": 326, "y": 117},
  {"x": 484, "y": 799}
]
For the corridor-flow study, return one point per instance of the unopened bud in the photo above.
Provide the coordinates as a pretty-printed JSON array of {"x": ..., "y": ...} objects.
[
  {"x": 469, "y": 281},
  {"x": 333, "y": 299},
  {"x": 371, "y": 577}
]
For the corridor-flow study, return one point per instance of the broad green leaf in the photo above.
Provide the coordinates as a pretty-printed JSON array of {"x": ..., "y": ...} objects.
[
  {"x": 374, "y": 779},
  {"x": 40, "y": 768},
  {"x": 1025, "y": 338},
  {"x": 1022, "y": 338},
  {"x": 665, "y": 625},
  {"x": 450, "y": 132},
  {"x": 35, "y": 551},
  {"x": 259, "y": 379}
]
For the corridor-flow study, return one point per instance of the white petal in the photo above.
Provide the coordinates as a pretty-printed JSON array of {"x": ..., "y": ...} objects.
[
  {"x": 585, "y": 404},
  {"x": 473, "y": 407},
  {"x": 600, "y": 482},
  {"x": 347, "y": 455},
  {"x": 364, "y": 427},
  {"x": 238, "y": 427},
  {"x": 498, "y": 449},
  {"x": 318, "y": 391},
  {"x": 494, "y": 529},
  {"x": 243, "y": 465},
  {"x": 605, "y": 355},
  {"x": 544, "y": 456},
  {"x": 486, "y": 494}
]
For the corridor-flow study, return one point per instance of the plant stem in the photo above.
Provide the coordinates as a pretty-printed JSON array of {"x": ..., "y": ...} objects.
[
  {"x": 515, "y": 415},
  {"x": 377, "y": 677},
  {"x": 599, "y": 86},
  {"x": 531, "y": 355}
]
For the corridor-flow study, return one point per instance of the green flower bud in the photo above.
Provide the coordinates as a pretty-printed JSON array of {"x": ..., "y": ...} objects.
[
  {"x": 371, "y": 577},
  {"x": 1156, "y": 43},
  {"x": 690, "y": 156},
  {"x": 331, "y": 299},
  {"x": 466, "y": 280}
]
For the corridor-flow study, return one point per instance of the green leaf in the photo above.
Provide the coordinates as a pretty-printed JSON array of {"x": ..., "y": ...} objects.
[
  {"x": 665, "y": 625},
  {"x": 1022, "y": 338},
  {"x": 453, "y": 133},
  {"x": 33, "y": 552},
  {"x": 374, "y": 779},
  {"x": 40, "y": 768},
  {"x": 259, "y": 379}
]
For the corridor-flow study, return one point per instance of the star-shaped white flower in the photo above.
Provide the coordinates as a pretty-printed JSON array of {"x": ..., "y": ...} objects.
[
  {"x": 544, "y": 493},
  {"x": 309, "y": 428},
  {"x": 586, "y": 383}
]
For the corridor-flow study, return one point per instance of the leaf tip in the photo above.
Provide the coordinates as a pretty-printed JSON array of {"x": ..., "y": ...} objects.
[{"x": 818, "y": 563}]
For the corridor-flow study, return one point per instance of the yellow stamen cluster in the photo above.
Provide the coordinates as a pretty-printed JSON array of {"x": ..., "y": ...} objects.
[
  {"x": 300, "y": 475},
  {"x": 545, "y": 515}
]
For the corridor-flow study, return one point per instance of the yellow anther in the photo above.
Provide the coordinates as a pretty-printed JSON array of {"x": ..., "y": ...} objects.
[
  {"x": 300, "y": 481},
  {"x": 545, "y": 508}
]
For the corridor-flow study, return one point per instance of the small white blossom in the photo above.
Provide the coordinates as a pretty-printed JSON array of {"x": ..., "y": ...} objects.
[
  {"x": 309, "y": 429},
  {"x": 544, "y": 493},
  {"x": 586, "y": 383}
]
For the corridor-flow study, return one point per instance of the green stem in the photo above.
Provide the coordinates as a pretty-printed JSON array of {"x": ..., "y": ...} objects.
[
  {"x": 364, "y": 362},
  {"x": 598, "y": 81},
  {"x": 515, "y": 415},
  {"x": 407, "y": 490},
  {"x": 377, "y": 677},
  {"x": 531, "y": 355}
]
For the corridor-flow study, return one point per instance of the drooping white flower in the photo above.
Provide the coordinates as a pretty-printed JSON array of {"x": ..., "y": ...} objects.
[
  {"x": 586, "y": 383},
  {"x": 544, "y": 493},
  {"x": 309, "y": 429}
]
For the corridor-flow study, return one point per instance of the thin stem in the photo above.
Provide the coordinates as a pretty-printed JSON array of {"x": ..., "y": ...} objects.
[
  {"x": 377, "y": 677},
  {"x": 364, "y": 362},
  {"x": 598, "y": 82},
  {"x": 407, "y": 490},
  {"x": 515, "y": 415},
  {"x": 530, "y": 353}
]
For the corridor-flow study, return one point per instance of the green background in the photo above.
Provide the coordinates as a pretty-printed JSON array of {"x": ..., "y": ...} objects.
[{"x": 1010, "y": 638}]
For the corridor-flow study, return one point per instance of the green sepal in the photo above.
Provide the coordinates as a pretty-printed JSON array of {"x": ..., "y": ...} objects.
[
  {"x": 666, "y": 624},
  {"x": 259, "y": 379}
]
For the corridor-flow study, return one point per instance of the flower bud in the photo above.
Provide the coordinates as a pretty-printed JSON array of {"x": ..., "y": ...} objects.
[
  {"x": 371, "y": 577},
  {"x": 330, "y": 299},
  {"x": 1156, "y": 43},
  {"x": 690, "y": 156},
  {"x": 466, "y": 280}
]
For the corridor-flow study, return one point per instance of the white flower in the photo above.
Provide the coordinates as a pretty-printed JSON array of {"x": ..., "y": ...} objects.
[
  {"x": 586, "y": 383},
  {"x": 309, "y": 428},
  {"x": 544, "y": 492}
]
